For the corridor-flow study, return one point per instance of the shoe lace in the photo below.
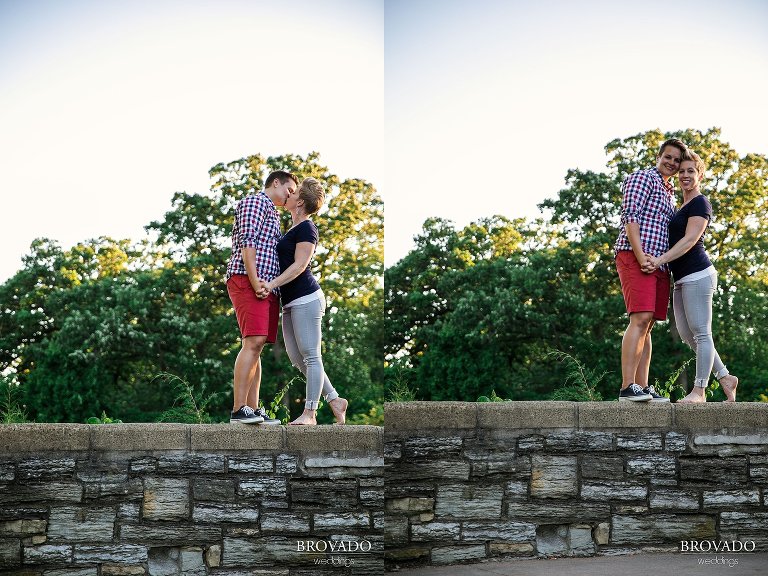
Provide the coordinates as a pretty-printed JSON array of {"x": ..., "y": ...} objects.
[
  {"x": 248, "y": 411},
  {"x": 636, "y": 389},
  {"x": 260, "y": 412}
]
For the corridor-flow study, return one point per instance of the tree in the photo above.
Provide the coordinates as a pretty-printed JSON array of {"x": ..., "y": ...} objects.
[
  {"x": 89, "y": 329},
  {"x": 466, "y": 320}
]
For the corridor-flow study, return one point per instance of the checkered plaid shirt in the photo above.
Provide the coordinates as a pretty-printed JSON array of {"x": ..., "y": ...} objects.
[
  {"x": 257, "y": 225},
  {"x": 650, "y": 202}
]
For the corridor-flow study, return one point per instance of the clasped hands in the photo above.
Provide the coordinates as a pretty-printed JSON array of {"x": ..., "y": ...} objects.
[
  {"x": 262, "y": 289},
  {"x": 651, "y": 264}
]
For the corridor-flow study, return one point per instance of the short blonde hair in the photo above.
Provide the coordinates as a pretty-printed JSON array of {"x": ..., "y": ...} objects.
[
  {"x": 691, "y": 156},
  {"x": 313, "y": 194}
]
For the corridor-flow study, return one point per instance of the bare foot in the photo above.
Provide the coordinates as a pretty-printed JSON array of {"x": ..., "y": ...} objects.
[
  {"x": 339, "y": 408},
  {"x": 729, "y": 383},
  {"x": 306, "y": 419},
  {"x": 695, "y": 397}
]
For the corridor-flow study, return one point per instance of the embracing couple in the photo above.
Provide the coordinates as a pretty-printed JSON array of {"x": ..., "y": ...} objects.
[
  {"x": 265, "y": 270},
  {"x": 655, "y": 239}
]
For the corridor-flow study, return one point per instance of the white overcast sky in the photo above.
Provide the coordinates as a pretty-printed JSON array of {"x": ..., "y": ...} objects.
[
  {"x": 489, "y": 102},
  {"x": 108, "y": 107},
  {"x": 451, "y": 108}
]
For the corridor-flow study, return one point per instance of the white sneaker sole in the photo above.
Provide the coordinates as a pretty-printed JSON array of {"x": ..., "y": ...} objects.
[
  {"x": 635, "y": 398},
  {"x": 246, "y": 420}
]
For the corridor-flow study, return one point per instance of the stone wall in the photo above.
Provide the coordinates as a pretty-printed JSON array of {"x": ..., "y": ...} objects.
[
  {"x": 468, "y": 481},
  {"x": 135, "y": 499}
]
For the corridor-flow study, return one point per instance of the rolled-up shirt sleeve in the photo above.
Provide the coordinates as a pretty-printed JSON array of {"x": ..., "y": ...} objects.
[
  {"x": 637, "y": 188},
  {"x": 250, "y": 215}
]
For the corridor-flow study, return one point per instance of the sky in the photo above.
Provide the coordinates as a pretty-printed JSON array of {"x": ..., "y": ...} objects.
[
  {"x": 488, "y": 103},
  {"x": 456, "y": 109},
  {"x": 108, "y": 107}
]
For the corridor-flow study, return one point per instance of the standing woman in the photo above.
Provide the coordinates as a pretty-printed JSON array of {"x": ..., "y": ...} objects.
[
  {"x": 695, "y": 281},
  {"x": 303, "y": 302}
]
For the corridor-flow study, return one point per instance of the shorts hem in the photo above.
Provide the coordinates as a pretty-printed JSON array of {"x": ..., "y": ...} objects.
[{"x": 264, "y": 335}]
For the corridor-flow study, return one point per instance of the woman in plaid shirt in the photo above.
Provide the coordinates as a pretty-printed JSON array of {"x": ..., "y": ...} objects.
[
  {"x": 646, "y": 209},
  {"x": 253, "y": 262}
]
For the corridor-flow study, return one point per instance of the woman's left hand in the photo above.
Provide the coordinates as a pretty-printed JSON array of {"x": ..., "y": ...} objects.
[{"x": 652, "y": 263}]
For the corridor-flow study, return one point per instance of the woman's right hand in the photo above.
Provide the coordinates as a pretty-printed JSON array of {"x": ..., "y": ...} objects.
[{"x": 652, "y": 264}]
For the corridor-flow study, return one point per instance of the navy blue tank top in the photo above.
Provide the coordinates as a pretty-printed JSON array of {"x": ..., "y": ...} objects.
[
  {"x": 696, "y": 259},
  {"x": 304, "y": 284}
]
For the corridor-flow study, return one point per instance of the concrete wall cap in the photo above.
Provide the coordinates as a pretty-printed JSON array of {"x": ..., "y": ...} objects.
[
  {"x": 308, "y": 439},
  {"x": 43, "y": 437},
  {"x": 625, "y": 415},
  {"x": 20, "y": 438},
  {"x": 401, "y": 417},
  {"x": 522, "y": 415},
  {"x": 429, "y": 416},
  {"x": 717, "y": 415},
  {"x": 207, "y": 437}
]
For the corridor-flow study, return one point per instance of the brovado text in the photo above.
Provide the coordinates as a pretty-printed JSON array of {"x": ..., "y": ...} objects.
[
  {"x": 716, "y": 546},
  {"x": 334, "y": 546}
]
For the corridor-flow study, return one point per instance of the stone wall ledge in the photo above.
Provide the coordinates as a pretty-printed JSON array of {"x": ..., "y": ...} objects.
[
  {"x": 462, "y": 417},
  {"x": 19, "y": 438}
]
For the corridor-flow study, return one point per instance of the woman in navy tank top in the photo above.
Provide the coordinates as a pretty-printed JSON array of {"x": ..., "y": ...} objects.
[
  {"x": 304, "y": 303},
  {"x": 695, "y": 281}
]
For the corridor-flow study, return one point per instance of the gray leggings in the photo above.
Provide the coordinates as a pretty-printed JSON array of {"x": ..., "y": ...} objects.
[
  {"x": 692, "y": 302},
  {"x": 301, "y": 333}
]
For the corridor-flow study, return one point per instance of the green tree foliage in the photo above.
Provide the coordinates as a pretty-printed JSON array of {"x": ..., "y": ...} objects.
[
  {"x": 478, "y": 309},
  {"x": 89, "y": 329}
]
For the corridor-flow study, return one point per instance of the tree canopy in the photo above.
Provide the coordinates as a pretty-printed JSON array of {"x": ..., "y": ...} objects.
[
  {"x": 480, "y": 309},
  {"x": 95, "y": 328}
]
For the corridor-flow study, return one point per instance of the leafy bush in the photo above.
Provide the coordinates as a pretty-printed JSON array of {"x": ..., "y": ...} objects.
[
  {"x": 103, "y": 419},
  {"x": 580, "y": 382},
  {"x": 188, "y": 407},
  {"x": 11, "y": 411},
  {"x": 493, "y": 398}
]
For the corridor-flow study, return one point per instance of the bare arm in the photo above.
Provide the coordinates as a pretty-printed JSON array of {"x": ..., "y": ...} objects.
[
  {"x": 301, "y": 258},
  {"x": 693, "y": 231},
  {"x": 249, "y": 260},
  {"x": 633, "y": 235}
]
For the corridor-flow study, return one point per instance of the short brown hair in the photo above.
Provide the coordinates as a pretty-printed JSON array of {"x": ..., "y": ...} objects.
[
  {"x": 675, "y": 143},
  {"x": 313, "y": 194},
  {"x": 691, "y": 156},
  {"x": 281, "y": 176}
]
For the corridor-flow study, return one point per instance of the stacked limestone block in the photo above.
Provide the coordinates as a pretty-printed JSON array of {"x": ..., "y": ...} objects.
[
  {"x": 469, "y": 482},
  {"x": 176, "y": 499}
]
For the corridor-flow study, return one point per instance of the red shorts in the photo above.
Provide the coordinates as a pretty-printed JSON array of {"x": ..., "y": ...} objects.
[
  {"x": 256, "y": 317},
  {"x": 642, "y": 292}
]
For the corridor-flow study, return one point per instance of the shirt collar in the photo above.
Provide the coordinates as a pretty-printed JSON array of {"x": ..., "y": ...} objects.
[
  {"x": 270, "y": 199},
  {"x": 669, "y": 187}
]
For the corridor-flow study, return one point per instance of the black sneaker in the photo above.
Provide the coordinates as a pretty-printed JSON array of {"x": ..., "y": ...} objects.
[
  {"x": 654, "y": 396},
  {"x": 266, "y": 419},
  {"x": 245, "y": 415},
  {"x": 634, "y": 393}
]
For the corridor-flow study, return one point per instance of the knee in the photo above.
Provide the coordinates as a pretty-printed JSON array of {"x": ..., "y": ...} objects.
[
  {"x": 297, "y": 363},
  {"x": 702, "y": 337},
  {"x": 642, "y": 321},
  {"x": 311, "y": 359},
  {"x": 254, "y": 344}
]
